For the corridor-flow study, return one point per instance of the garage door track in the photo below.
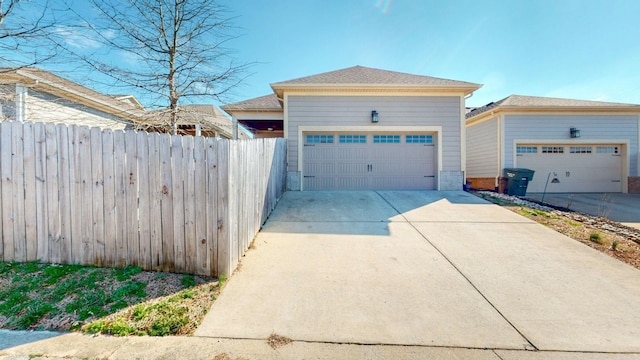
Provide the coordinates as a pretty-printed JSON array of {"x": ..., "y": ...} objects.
[{"x": 425, "y": 268}]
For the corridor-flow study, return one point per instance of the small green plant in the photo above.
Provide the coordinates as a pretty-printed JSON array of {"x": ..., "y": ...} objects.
[
  {"x": 614, "y": 245},
  {"x": 127, "y": 272},
  {"x": 188, "y": 281},
  {"x": 596, "y": 238}
]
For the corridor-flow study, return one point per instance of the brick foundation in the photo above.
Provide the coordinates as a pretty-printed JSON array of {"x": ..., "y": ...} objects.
[
  {"x": 502, "y": 188},
  {"x": 482, "y": 183},
  {"x": 634, "y": 184}
]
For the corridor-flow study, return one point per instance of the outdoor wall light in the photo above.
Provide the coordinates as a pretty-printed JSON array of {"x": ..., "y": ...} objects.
[
  {"x": 374, "y": 116},
  {"x": 575, "y": 133}
]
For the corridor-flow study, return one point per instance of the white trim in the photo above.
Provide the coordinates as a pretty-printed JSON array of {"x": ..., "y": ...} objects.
[
  {"x": 500, "y": 125},
  {"x": 22, "y": 95},
  {"x": 258, "y": 115},
  {"x": 463, "y": 141},
  {"x": 373, "y": 92},
  {"x": 626, "y": 160},
  {"x": 285, "y": 116},
  {"x": 367, "y": 129}
]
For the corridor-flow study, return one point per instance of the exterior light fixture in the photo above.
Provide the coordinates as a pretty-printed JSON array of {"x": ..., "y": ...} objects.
[
  {"x": 374, "y": 116},
  {"x": 575, "y": 133}
]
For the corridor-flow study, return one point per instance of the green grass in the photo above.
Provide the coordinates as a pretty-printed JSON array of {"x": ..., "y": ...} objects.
[
  {"x": 171, "y": 315},
  {"x": 596, "y": 238},
  {"x": 68, "y": 297}
]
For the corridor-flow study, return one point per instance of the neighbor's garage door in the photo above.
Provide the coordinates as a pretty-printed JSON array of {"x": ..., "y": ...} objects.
[
  {"x": 578, "y": 168},
  {"x": 338, "y": 161}
]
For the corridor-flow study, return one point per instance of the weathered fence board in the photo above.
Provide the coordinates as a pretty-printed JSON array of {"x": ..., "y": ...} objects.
[
  {"x": 109, "y": 198},
  {"x": 6, "y": 183},
  {"x": 97, "y": 187},
  {"x": 116, "y": 198}
]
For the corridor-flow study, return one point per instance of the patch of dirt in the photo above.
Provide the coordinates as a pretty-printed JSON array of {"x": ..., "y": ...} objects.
[{"x": 277, "y": 341}]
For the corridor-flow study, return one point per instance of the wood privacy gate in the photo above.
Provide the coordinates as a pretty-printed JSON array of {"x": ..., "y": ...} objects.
[{"x": 75, "y": 195}]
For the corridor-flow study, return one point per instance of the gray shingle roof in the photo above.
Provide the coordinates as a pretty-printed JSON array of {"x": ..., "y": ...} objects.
[
  {"x": 266, "y": 103},
  {"x": 520, "y": 101},
  {"x": 360, "y": 75}
]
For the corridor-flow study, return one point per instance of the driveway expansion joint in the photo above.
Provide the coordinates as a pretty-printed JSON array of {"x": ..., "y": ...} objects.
[{"x": 529, "y": 342}]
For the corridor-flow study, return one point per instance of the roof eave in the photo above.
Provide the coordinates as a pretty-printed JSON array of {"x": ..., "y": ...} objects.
[
  {"x": 280, "y": 88},
  {"x": 631, "y": 109},
  {"x": 231, "y": 110}
]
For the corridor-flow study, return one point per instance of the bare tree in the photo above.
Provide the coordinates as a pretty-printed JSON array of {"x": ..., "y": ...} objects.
[
  {"x": 23, "y": 28},
  {"x": 175, "y": 49}
]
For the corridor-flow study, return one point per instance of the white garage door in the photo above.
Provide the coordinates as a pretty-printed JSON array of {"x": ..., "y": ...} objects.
[
  {"x": 576, "y": 168},
  {"x": 341, "y": 161}
]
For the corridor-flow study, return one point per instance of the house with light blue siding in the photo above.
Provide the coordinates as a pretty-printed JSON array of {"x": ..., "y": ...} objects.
[
  {"x": 572, "y": 145},
  {"x": 365, "y": 128}
]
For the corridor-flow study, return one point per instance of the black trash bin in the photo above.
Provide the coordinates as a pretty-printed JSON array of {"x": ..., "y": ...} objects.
[{"x": 517, "y": 180}]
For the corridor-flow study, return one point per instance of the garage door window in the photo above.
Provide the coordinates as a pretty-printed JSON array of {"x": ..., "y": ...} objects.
[
  {"x": 607, "y": 149},
  {"x": 386, "y": 139},
  {"x": 553, "y": 149},
  {"x": 319, "y": 139},
  {"x": 419, "y": 139},
  {"x": 352, "y": 139},
  {"x": 526, "y": 150},
  {"x": 580, "y": 149}
]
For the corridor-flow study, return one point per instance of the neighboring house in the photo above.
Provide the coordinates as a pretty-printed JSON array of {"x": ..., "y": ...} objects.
[
  {"x": 31, "y": 94},
  {"x": 200, "y": 119},
  {"x": 573, "y": 145},
  {"x": 364, "y": 128}
]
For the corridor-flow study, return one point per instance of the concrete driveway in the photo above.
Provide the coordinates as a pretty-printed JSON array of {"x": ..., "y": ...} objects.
[
  {"x": 443, "y": 269},
  {"x": 623, "y": 208}
]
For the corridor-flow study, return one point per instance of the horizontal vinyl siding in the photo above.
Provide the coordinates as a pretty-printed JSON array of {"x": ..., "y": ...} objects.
[
  {"x": 43, "y": 107},
  {"x": 556, "y": 127},
  {"x": 393, "y": 110},
  {"x": 482, "y": 149}
]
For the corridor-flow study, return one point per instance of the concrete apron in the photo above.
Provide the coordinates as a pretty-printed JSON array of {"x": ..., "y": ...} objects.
[{"x": 425, "y": 268}]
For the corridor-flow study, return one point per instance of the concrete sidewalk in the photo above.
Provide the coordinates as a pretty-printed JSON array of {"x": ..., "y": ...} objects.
[
  {"x": 82, "y": 347},
  {"x": 439, "y": 269}
]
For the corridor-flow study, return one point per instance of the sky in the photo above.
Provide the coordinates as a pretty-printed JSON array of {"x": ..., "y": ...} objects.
[
  {"x": 580, "y": 49},
  {"x": 584, "y": 49}
]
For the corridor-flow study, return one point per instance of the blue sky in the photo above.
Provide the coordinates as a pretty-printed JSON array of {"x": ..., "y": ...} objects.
[{"x": 583, "y": 49}]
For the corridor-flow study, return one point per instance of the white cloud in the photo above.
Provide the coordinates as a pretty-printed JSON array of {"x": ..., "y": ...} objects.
[{"x": 77, "y": 37}]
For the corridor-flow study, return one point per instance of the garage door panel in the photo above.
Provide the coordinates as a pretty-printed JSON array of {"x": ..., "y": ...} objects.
[
  {"x": 406, "y": 183},
  {"x": 391, "y": 162},
  {"x": 576, "y": 172}
]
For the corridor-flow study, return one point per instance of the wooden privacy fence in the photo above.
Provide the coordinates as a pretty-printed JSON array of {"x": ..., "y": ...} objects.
[{"x": 75, "y": 195}]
